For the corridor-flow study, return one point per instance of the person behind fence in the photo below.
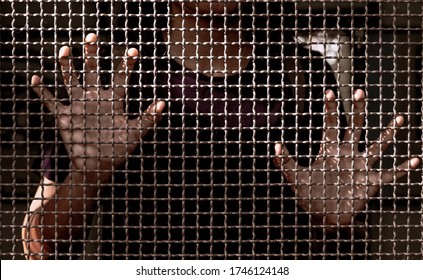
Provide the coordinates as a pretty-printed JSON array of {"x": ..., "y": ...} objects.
[{"x": 212, "y": 129}]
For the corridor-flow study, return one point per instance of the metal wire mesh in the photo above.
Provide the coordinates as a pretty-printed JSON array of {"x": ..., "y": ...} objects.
[{"x": 236, "y": 78}]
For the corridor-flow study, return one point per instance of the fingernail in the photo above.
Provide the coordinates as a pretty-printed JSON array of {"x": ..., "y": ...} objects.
[
  {"x": 399, "y": 120},
  {"x": 132, "y": 53},
  {"x": 160, "y": 106},
  {"x": 415, "y": 162},
  {"x": 62, "y": 53},
  {"x": 330, "y": 96},
  {"x": 278, "y": 149},
  {"x": 34, "y": 80},
  {"x": 91, "y": 37}
]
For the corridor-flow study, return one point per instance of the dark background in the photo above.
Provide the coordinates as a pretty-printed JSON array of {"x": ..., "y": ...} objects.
[{"x": 30, "y": 37}]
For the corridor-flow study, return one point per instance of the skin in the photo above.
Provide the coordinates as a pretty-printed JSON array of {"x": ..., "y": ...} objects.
[
  {"x": 88, "y": 140},
  {"x": 333, "y": 196}
]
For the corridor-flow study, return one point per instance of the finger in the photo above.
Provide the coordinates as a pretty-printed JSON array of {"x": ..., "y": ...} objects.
[
  {"x": 400, "y": 171},
  {"x": 353, "y": 134},
  {"x": 123, "y": 72},
  {"x": 45, "y": 95},
  {"x": 92, "y": 78},
  {"x": 331, "y": 117},
  {"x": 148, "y": 119},
  {"x": 377, "y": 148},
  {"x": 285, "y": 162},
  {"x": 69, "y": 75},
  {"x": 331, "y": 123}
]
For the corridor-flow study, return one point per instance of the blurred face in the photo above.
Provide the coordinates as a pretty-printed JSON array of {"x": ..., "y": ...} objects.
[{"x": 216, "y": 7}]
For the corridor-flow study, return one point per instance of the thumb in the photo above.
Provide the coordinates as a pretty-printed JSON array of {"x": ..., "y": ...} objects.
[
  {"x": 151, "y": 116},
  {"x": 285, "y": 162},
  {"x": 153, "y": 113},
  {"x": 46, "y": 96}
]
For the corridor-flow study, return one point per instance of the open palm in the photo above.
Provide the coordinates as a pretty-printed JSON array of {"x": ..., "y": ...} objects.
[
  {"x": 339, "y": 182},
  {"x": 94, "y": 127}
]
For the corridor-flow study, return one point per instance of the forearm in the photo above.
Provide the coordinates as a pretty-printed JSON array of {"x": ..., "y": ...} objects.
[{"x": 59, "y": 211}]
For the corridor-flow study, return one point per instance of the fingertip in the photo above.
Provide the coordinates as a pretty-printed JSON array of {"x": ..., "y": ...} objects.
[
  {"x": 64, "y": 52},
  {"x": 38, "y": 88},
  {"x": 359, "y": 94},
  {"x": 282, "y": 158},
  {"x": 35, "y": 84},
  {"x": 278, "y": 149},
  {"x": 90, "y": 46},
  {"x": 132, "y": 53},
  {"x": 160, "y": 106},
  {"x": 155, "y": 108},
  {"x": 330, "y": 103},
  {"x": 277, "y": 160},
  {"x": 399, "y": 120},
  {"x": 414, "y": 162},
  {"x": 35, "y": 80},
  {"x": 90, "y": 38},
  {"x": 330, "y": 95}
]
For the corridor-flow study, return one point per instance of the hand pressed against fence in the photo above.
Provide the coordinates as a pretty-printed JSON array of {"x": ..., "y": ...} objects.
[
  {"x": 341, "y": 179},
  {"x": 94, "y": 127},
  {"x": 98, "y": 137}
]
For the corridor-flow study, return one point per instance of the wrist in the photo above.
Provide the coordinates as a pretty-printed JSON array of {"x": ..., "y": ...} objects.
[
  {"x": 90, "y": 177},
  {"x": 91, "y": 171}
]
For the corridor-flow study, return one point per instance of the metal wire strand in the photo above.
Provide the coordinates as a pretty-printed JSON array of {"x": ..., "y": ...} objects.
[{"x": 211, "y": 129}]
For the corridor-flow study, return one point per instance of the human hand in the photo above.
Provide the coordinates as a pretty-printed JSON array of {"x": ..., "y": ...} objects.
[
  {"x": 94, "y": 128},
  {"x": 341, "y": 179}
]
